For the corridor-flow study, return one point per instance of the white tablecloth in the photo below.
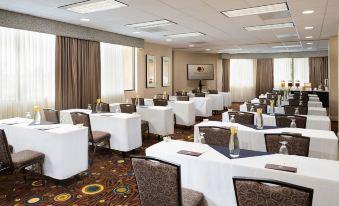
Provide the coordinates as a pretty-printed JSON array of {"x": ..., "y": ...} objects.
[
  {"x": 227, "y": 98},
  {"x": 310, "y": 103},
  {"x": 203, "y": 106},
  {"x": 125, "y": 129},
  {"x": 323, "y": 144},
  {"x": 65, "y": 147},
  {"x": 184, "y": 111},
  {"x": 312, "y": 122},
  {"x": 211, "y": 173},
  {"x": 311, "y": 110},
  {"x": 217, "y": 101},
  {"x": 160, "y": 119}
]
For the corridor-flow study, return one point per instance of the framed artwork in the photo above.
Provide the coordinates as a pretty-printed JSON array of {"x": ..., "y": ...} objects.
[
  {"x": 166, "y": 71},
  {"x": 150, "y": 71}
]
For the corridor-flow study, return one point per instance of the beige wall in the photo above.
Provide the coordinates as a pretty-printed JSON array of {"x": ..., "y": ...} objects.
[
  {"x": 180, "y": 61},
  {"x": 140, "y": 85},
  {"x": 333, "y": 76}
]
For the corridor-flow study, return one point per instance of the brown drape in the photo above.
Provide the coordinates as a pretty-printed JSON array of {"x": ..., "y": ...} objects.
[
  {"x": 225, "y": 75},
  {"x": 318, "y": 70},
  {"x": 264, "y": 80},
  {"x": 77, "y": 74}
]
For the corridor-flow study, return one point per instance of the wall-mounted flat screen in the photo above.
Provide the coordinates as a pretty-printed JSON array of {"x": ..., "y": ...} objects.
[{"x": 200, "y": 71}]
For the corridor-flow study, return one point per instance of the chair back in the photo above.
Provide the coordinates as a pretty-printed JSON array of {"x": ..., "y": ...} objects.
[
  {"x": 264, "y": 192},
  {"x": 199, "y": 94},
  {"x": 183, "y": 98},
  {"x": 162, "y": 96},
  {"x": 141, "y": 101},
  {"x": 296, "y": 102},
  {"x": 160, "y": 102},
  {"x": 285, "y": 121},
  {"x": 290, "y": 110},
  {"x": 5, "y": 154},
  {"x": 272, "y": 96},
  {"x": 158, "y": 181},
  {"x": 296, "y": 144},
  {"x": 181, "y": 93},
  {"x": 219, "y": 136},
  {"x": 194, "y": 91},
  {"x": 256, "y": 106},
  {"x": 212, "y": 91},
  {"x": 128, "y": 108},
  {"x": 83, "y": 118},
  {"x": 242, "y": 117},
  {"x": 104, "y": 107},
  {"x": 51, "y": 115},
  {"x": 262, "y": 100}
]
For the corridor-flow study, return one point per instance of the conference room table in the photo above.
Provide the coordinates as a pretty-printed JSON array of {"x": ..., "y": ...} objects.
[
  {"x": 227, "y": 98},
  {"x": 211, "y": 173},
  {"x": 217, "y": 100},
  {"x": 184, "y": 111},
  {"x": 312, "y": 122},
  {"x": 125, "y": 129},
  {"x": 321, "y": 111},
  {"x": 65, "y": 146},
  {"x": 323, "y": 144}
]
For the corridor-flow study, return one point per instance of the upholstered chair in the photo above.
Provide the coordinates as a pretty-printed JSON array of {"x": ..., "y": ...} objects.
[
  {"x": 242, "y": 117},
  {"x": 160, "y": 102},
  {"x": 183, "y": 98},
  {"x": 199, "y": 94},
  {"x": 219, "y": 136},
  {"x": 296, "y": 144},
  {"x": 51, "y": 115},
  {"x": 131, "y": 108},
  {"x": 285, "y": 120},
  {"x": 290, "y": 110},
  {"x": 141, "y": 101}
]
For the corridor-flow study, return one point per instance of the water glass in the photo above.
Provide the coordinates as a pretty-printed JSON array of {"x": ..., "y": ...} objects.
[
  {"x": 28, "y": 115},
  {"x": 296, "y": 111},
  {"x": 117, "y": 109},
  {"x": 89, "y": 107},
  {"x": 232, "y": 120},
  {"x": 293, "y": 123},
  {"x": 283, "y": 148},
  {"x": 252, "y": 109}
]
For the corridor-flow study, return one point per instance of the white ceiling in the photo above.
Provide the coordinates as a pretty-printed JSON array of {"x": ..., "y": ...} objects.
[{"x": 204, "y": 16}]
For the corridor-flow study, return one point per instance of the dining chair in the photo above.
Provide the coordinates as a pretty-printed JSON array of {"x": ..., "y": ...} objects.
[
  {"x": 131, "y": 108},
  {"x": 17, "y": 162},
  {"x": 95, "y": 138},
  {"x": 104, "y": 107},
  {"x": 212, "y": 91},
  {"x": 141, "y": 101},
  {"x": 242, "y": 117},
  {"x": 290, "y": 110},
  {"x": 181, "y": 93},
  {"x": 162, "y": 96},
  {"x": 213, "y": 135},
  {"x": 296, "y": 143},
  {"x": 159, "y": 183},
  {"x": 262, "y": 100},
  {"x": 51, "y": 115},
  {"x": 199, "y": 94},
  {"x": 296, "y": 102},
  {"x": 183, "y": 98},
  {"x": 256, "y": 106},
  {"x": 266, "y": 192},
  {"x": 194, "y": 91},
  {"x": 285, "y": 120},
  {"x": 160, "y": 102}
]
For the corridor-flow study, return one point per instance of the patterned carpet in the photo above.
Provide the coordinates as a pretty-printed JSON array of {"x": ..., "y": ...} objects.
[{"x": 109, "y": 181}]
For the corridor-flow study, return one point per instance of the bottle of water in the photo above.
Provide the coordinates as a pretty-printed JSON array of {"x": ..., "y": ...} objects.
[
  {"x": 259, "y": 119},
  {"x": 234, "y": 148},
  {"x": 37, "y": 115}
]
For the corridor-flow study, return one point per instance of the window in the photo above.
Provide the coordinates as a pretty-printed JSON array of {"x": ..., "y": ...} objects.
[
  {"x": 291, "y": 69},
  {"x": 117, "y": 71},
  {"x": 242, "y": 79},
  {"x": 27, "y": 71}
]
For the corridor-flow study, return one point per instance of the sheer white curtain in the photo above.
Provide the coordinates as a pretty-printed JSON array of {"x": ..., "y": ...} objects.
[
  {"x": 112, "y": 72},
  {"x": 301, "y": 70},
  {"x": 242, "y": 79},
  {"x": 27, "y": 71},
  {"x": 282, "y": 71}
]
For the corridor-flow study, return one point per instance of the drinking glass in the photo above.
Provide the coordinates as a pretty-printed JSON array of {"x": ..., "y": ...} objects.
[
  {"x": 293, "y": 123},
  {"x": 252, "y": 109},
  {"x": 28, "y": 115},
  {"x": 117, "y": 110},
  {"x": 296, "y": 111},
  {"x": 201, "y": 140},
  {"x": 232, "y": 119},
  {"x": 98, "y": 108},
  {"x": 89, "y": 107},
  {"x": 283, "y": 148}
]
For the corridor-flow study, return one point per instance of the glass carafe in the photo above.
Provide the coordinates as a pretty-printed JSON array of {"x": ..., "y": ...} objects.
[
  {"x": 259, "y": 122},
  {"x": 234, "y": 147},
  {"x": 37, "y": 115},
  {"x": 98, "y": 107}
]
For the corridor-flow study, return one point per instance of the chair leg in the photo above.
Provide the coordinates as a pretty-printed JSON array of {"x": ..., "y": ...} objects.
[
  {"x": 25, "y": 174},
  {"x": 109, "y": 143},
  {"x": 11, "y": 188},
  {"x": 147, "y": 131}
]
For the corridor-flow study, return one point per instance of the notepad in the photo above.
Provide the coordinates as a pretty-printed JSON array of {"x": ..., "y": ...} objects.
[
  {"x": 191, "y": 153},
  {"x": 281, "y": 168}
]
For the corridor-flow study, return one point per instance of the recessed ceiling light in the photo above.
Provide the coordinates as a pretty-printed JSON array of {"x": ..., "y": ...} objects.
[
  {"x": 256, "y": 10},
  {"x": 309, "y": 37},
  {"x": 309, "y": 43},
  {"x": 136, "y": 32},
  {"x": 150, "y": 24},
  {"x": 286, "y": 46},
  {"x": 208, "y": 49},
  {"x": 269, "y": 26},
  {"x": 308, "y": 27},
  {"x": 191, "y": 45},
  {"x": 192, "y": 34},
  {"x": 90, "y": 6},
  {"x": 169, "y": 40},
  {"x": 308, "y": 12},
  {"x": 84, "y": 20}
]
